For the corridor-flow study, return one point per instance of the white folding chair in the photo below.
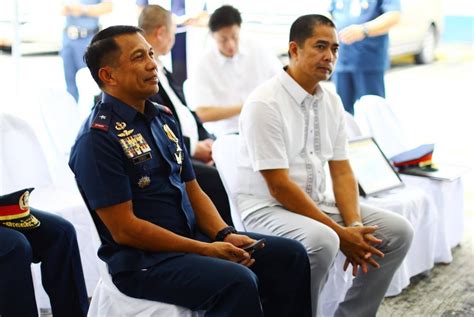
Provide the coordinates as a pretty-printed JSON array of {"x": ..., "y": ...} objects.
[
  {"x": 23, "y": 164},
  {"x": 87, "y": 89},
  {"x": 225, "y": 155},
  {"x": 107, "y": 300},
  {"x": 376, "y": 117},
  {"x": 60, "y": 115}
]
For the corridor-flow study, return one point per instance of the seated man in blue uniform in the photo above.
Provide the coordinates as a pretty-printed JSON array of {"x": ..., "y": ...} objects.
[
  {"x": 28, "y": 235},
  {"x": 159, "y": 28},
  {"x": 162, "y": 237}
]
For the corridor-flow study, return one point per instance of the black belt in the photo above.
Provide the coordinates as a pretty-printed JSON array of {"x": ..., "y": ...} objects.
[{"x": 74, "y": 32}]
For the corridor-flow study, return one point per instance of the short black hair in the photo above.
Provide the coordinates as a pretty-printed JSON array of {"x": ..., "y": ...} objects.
[
  {"x": 104, "y": 50},
  {"x": 223, "y": 17},
  {"x": 303, "y": 27}
]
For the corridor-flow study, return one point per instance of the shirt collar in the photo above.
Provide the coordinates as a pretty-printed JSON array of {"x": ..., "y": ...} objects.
[
  {"x": 128, "y": 113},
  {"x": 294, "y": 89},
  {"x": 221, "y": 59}
]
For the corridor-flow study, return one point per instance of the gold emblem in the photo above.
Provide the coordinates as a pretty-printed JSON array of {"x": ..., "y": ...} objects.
[
  {"x": 179, "y": 154},
  {"x": 144, "y": 181},
  {"x": 125, "y": 133},
  {"x": 119, "y": 126},
  {"x": 23, "y": 202},
  {"x": 170, "y": 134}
]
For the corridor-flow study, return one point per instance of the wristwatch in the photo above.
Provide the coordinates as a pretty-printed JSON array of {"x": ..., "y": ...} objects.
[
  {"x": 356, "y": 224},
  {"x": 220, "y": 236},
  {"x": 365, "y": 30}
]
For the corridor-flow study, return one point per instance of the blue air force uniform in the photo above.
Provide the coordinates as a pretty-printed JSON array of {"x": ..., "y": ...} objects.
[
  {"x": 77, "y": 34},
  {"x": 361, "y": 65},
  {"x": 54, "y": 244},
  {"x": 120, "y": 155}
]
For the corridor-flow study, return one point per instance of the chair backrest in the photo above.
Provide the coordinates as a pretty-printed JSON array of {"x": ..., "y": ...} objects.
[
  {"x": 22, "y": 160},
  {"x": 61, "y": 118},
  {"x": 353, "y": 130},
  {"x": 376, "y": 118},
  {"x": 87, "y": 89},
  {"x": 107, "y": 299},
  {"x": 225, "y": 155}
]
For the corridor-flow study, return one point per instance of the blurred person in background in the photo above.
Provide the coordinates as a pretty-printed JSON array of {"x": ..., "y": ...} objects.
[
  {"x": 185, "y": 13},
  {"x": 82, "y": 22},
  {"x": 363, "y": 27},
  {"x": 228, "y": 72}
]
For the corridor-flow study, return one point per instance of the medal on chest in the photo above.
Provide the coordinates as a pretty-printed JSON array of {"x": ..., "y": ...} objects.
[
  {"x": 134, "y": 146},
  {"x": 178, "y": 155}
]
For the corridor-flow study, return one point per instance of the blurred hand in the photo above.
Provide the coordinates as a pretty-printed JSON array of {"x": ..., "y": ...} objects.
[
  {"x": 352, "y": 33},
  {"x": 241, "y": 241},
  {"x": 73, "y": 10},
  {"x": 203, "y": 151},
  {"x": 356, "y": 246},
  {"x": 230, "y": 252}
]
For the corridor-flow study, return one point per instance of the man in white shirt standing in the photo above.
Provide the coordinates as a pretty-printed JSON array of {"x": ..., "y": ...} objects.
[
  {"x": 160, "y": 33},
  {"x": 228, "y": 72},
  {"x": 290, "y": 127}
]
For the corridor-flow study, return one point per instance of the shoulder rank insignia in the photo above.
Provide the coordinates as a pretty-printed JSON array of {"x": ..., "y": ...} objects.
[
  {"x": 102, "y": 119},
  {"x": 162, "y": 108}
]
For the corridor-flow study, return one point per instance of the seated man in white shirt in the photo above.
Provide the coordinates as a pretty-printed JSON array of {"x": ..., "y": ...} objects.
[
  {"x": 290, "y": 127},
  {"x": 160, "y": 33},
  {"x": 228, "y": 72}
]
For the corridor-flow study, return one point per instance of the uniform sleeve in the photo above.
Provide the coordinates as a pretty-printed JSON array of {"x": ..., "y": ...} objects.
[
  {"x": 98, "y": 164},
  {"x": 187, "y": 174},
  {"x": 391, "y": 5},
  {"x": 261, "y": 129}
]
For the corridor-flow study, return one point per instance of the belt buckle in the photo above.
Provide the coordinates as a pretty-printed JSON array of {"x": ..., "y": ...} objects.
[
  {"x": 83, "y": 33},
  {"x": 72, "y": 32}
]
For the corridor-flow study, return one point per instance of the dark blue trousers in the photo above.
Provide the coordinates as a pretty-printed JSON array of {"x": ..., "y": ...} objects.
[
  {"x": 352, "y": 85},
  {"x": 54, "y": 244},
  {"x": 278, "y": 284},
  {"x": 72, "y": 53}
]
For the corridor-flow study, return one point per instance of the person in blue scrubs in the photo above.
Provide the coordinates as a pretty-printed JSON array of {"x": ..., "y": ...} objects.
[
  {"x": 363, "y": 27},
  {"x": 82, "y": 22},
  {"x": 162, "y": 238},
  {"x": 29, "y": 235}
]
